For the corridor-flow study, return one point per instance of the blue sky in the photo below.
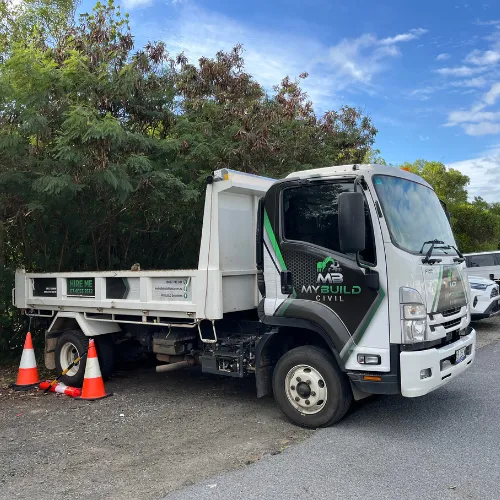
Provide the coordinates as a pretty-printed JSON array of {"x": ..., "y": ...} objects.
[{"x": 427, "y": 72}]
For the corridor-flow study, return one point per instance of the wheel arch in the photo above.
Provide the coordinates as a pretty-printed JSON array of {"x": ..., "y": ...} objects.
[
  {"x": 281, "y": 339},
  {"x": 67, "y": 320}
]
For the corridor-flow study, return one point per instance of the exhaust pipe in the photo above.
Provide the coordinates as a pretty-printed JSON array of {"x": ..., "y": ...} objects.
[{"x": 176, "y": 366}]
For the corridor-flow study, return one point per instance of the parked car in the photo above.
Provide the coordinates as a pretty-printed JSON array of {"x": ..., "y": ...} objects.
[
  {"x": 484, "y": 264},
  {"x": 485, "y": 298}
]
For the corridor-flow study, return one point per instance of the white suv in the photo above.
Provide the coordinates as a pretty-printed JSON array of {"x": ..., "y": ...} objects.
[{"x": 485, "y": 298}]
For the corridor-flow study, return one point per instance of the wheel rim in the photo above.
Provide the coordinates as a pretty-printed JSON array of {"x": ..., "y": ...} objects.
[
  {"x": 68, "y": 354},
  {"x": 306, "y": 389}
]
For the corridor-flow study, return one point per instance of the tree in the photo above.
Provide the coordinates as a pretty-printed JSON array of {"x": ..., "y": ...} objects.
[
  {"x": 34, "y": 21},
  {"x": 374, "y": 156},
  {"x": 475, "y": 229},
  {"x": 104, "y": 150}
]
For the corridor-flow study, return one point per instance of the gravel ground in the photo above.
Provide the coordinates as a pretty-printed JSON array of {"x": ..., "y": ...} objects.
[
  {"x": 158, "y": 433},
  {"x": 488, "y": 331}
]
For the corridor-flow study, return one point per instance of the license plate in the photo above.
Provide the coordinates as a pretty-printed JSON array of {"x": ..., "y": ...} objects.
[{"x": 459, "y": 355}]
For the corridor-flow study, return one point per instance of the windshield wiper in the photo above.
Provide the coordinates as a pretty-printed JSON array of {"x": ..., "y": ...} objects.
[
  {"x": 427, "y": 259},
  {"x": 460, "y": 257}
]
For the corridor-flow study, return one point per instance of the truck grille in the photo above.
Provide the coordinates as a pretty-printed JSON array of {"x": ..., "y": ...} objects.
[
  {"x": 451, "y": 312},
  {"x": 494, "y": 292},
  {"x": 452, "y": 323}
]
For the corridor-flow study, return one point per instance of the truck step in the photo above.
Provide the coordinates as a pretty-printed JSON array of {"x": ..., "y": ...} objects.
[{"x": 228, "y": 365}]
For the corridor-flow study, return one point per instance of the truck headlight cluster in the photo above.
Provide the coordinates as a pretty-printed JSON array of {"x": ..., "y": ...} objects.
[{"x": 413, "y": 316}]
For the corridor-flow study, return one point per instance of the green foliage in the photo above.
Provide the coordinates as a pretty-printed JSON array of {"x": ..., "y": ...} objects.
[
  {"x": 104, "y": 150},
  {"x": 476, "y": 228},
  {"x": 375, "y": 157}
]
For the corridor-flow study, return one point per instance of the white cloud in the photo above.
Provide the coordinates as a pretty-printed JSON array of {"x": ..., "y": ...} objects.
[
  {"x": 492, "y": 95},
  {"x": 443, "y": 57},
  {"x": 424, "y": 93},
  {"x": 483, "y": 116},
  {"x": 471, "y": 83},
  {"x": 405, "y": 37},
  {"x": 460, "y": 71},
  {"x": 478, "y": 120},
  {"x": 361, "y": 58},
  {"x": 484, "y": 174},
  {"x": 423, "y": 137},
  {"x": 485, "y": 128},
  {"x": 493, "y": 22},
  {"x": 132, "y": 4},
  {"x": 458, "y": 117},
  {"x": 270, "y": 55},
  {"x": 483, "y": 58}
]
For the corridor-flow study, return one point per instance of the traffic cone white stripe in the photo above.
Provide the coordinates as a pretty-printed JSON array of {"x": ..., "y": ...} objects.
[
  {"x": 28, "y": 359},
  {"x": 92, "y": 369},
  {"x": 60, "y": 387}
]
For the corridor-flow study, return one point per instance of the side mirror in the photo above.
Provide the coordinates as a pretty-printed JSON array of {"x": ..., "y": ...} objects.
[{"x": 351, "y": 222}]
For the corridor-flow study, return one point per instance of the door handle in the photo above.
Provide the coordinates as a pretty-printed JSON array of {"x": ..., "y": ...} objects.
[{"x": 286, "y": 282}]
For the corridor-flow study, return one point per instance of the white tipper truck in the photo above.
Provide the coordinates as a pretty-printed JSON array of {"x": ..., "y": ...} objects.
[{"x": 327, "y": 286}]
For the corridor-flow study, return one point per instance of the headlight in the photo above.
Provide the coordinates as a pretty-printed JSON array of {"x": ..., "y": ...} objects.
[
  {"x": 414, "y": 311},
  {"x": 413, "y": 315},
  {"x": 414, "y": 331},
  {"x": 478, "y": 286}
]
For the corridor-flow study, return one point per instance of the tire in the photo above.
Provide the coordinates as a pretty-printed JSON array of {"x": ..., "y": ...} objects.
[
  {"x": 312, "y": 375},
  {"x": 73, "y": 343},
  {"x": 106, "y": 355}
]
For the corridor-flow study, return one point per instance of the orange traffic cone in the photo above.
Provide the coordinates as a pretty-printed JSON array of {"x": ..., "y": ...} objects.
[
  {"x": 61, "y": 388},
  {"x": 27, "y": 376},
  {"x": 93, "y": 385}
]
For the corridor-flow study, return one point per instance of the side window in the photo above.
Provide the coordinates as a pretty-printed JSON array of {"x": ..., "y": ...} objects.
[
  {"x": 311, "y": 215},
  {"x": 482, "y": 260}
]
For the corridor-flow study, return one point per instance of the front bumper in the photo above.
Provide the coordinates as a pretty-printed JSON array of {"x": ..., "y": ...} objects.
[
  {"x": 492, "y": 310},
  {"x": 440, "y": 361}
]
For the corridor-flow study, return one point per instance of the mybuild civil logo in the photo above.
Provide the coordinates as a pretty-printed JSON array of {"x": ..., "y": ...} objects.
[
  {"x": 329, "y": 271},
  {"x": 329, "y": 281}
]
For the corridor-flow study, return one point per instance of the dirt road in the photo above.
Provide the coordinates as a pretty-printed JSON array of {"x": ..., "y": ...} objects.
[{"x": 156, "y": 434}]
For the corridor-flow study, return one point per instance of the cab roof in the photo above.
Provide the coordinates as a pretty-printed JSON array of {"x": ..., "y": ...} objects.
[{"x": 356, "y": 169}]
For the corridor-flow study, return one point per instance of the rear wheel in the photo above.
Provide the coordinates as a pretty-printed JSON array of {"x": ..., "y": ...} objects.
[
  {"x": 310, "y": 388},
  {"x": 74, "y": 343}
]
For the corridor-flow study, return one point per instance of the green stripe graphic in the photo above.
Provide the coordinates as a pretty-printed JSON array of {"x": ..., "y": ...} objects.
[
  {"x": 274, "y": 243},
  {"x": 283, "y": 307},
  {"x": 358, "y": 334},
  {"x": 438, "y": 290}
]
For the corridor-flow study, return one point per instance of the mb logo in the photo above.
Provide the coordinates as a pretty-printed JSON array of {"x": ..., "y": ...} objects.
[{"x": 329, "y": 272}]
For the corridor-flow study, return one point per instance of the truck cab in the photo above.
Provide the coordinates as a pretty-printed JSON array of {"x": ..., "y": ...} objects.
[{"x": 364, "y": 257}]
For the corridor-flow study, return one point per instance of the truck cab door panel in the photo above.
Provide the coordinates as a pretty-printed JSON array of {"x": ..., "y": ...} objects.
[{"x": 328, "y": 287}]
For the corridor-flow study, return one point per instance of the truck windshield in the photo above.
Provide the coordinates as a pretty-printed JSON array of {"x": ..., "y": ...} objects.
[{"x": 413, "y": 214}]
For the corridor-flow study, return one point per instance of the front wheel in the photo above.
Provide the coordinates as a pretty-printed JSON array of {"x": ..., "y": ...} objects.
[{"x": 310, "y": 388}]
